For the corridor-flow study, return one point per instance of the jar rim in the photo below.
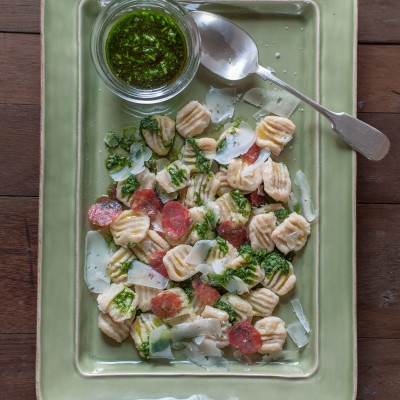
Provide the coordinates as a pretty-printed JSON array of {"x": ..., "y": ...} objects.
[{"x": 110, "y": 14}]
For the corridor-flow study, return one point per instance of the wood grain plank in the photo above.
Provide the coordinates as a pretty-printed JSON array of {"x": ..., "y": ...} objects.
[
  {"x": 379, "y": 182},
  {"x": 17, "y": 367},
  {"x": 20, "y": 16},
  {"x": 18, "y": 255},
  {"x": 378, "y": 369},
  {"x": 20, "y": 150},
  {"x": 19, "y": 68},
  {"x": 378, "y": 272},
  {"x": 379, "y": 21},
  {"x": 378, "y": 78}
]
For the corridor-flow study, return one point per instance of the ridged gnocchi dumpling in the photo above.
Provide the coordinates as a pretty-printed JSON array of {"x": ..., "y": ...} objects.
[
  {"x": 118, "y": 301},
  {"x": 158, "y": 132},
  {"x": 197, "y": 154},
  {"x": 233, "y": 206},
  {"x": 173, "y": 177},
  {"x": 220, "y": 341},
  {"x": 224, "y": 186},
  {"x": 192, "y": 119},
  {"x": 279, "y": 282},
  {"x": 263, "y": 301},
  {"x": 144, "y": 324},
  {"x": 118, "y": 331},
  {"x": 260, "y": 230},
  {"x": 152, "y": 242},
  {"x": 277, "y": 183},
  {"x": 174, "y": 261},
  {"x": 242, "y": 308},
  {"x": 185, "y": 313},
  {"x": 123, "y": 197},
  {"x": 119, "y": 265},
  {"x": 273, "y": 334},
  {"x": 146, "y": 179},
  {"x": 244, "y": 176},
  {"x": 129, "y": 228},
  {"x": 144, "y": 296},
  {"x": 202, "y": 189},
  {"x": 292, "y": 233},
  {"x": 254, "y": 273},
  {"x": 274, "y": 133},
  {"x": 216, "y": 253},
  {"x": 203, "y": 223}
]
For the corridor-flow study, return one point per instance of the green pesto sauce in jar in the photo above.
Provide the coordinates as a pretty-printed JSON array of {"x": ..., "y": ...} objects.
[{"x": 146, "y": 49}]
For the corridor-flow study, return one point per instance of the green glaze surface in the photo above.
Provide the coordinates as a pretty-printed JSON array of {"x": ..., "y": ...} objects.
[{"x": 314, "y": 41}]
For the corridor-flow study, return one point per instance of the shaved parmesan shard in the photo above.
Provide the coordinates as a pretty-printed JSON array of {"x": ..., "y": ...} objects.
[
  {"x": 236, "y": 286},
  {"x": 120, "y": 174},
  {"x": 209, "y": 348},
  {"x": 297, "y": 332},
  {"x": 242, "y": 358},
  {"x": 219, "y": 265},
  {"x": 144, "y": 275},
  {"x": 236, "y": 143},
  {"x": 204, "y": 268},
  {"x": 260, "y": 114},
  {"x": 198, "y": 340},
  {"x": 293, "y": 203},
  {"x": 97, "y": 256},
  {"x": 203, "y": 326},
  {"x": 160, "y": 343},
  {"x": 307, "y": 205},
  {"x": 219, "y": 362},
  {"x": 139, "y": 154},
  {"x": 220, "y": 103},
  {"x": 192, "y": 352},
  {"x": 278, "y": 102},
  {"x": 199, "y": 252},
  {"x": 298, "y": 309}
]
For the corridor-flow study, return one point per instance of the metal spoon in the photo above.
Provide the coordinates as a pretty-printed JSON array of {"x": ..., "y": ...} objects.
[{"x": 229, "y": 51}]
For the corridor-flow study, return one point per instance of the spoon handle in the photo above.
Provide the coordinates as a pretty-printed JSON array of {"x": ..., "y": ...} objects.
[{"x": 362, "y": 137}]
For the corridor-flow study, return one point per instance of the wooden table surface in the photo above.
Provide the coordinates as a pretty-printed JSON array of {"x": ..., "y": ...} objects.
[{"x": 378, "y": 199}]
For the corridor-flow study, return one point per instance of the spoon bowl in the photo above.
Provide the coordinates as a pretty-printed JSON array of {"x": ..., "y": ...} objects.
[
  {"x": 231, "y": 53},
  {"x": 227, "y": 50}
]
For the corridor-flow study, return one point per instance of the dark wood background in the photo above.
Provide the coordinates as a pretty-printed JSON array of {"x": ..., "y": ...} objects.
[{"x": 378, "y": 199}]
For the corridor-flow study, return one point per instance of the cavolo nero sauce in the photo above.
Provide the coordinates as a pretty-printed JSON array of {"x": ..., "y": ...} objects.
[{"x": 146, "y": 49}]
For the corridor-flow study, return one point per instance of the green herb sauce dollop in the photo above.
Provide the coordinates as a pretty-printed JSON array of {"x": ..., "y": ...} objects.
[
  {"x": 233, "y": 317},
  {"x": 146, "y": 49}
]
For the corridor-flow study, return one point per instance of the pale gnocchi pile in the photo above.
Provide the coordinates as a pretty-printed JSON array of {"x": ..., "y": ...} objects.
[{"x": 202, "y": 234}]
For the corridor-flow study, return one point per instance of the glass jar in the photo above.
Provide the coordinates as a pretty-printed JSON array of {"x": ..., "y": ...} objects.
[{"x": 106, "y": 20}]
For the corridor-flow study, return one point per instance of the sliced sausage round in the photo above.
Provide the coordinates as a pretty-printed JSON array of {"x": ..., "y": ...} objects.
[
  {"x": 145, "y": 202},
  {"x": 236, "y": 235},
  {"x": 206, "y": 292},
  {"x": 252, "y": 154},
  {"x": 166, "y": 305},
  {"x": 245, "y": 337},
  {"x": 156, "y": 262},
  {"x": 175, "y": 219},
  {"x": 104, "y": 211}
]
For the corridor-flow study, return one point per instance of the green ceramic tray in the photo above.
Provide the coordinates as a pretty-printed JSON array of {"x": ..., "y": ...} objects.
[{"x": 315, "y": 40}]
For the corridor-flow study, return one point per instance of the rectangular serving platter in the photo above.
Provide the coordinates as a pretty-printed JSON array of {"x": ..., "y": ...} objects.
[{"x": 293, "y": 38}]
